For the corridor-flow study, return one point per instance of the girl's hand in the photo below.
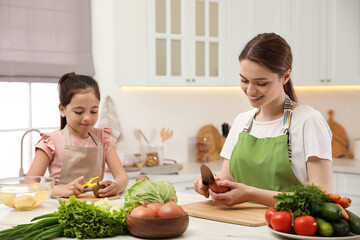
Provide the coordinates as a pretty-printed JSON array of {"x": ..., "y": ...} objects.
[
  {"x": 111, "y": 189},
  {"x": 200, "y": 187},
  {"x": 74, "y": 188},
  {"x": 238, "y": 194}
]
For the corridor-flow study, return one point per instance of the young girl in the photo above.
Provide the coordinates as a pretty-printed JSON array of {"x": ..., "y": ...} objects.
[
  {"x": 78, "y": 151},
  {"x": 280, "y": 142}
]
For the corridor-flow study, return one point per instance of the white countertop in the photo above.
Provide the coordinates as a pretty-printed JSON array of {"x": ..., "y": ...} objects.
[
  {"x": 198, "y": 228},
  {"x": 346, "y": 165}
]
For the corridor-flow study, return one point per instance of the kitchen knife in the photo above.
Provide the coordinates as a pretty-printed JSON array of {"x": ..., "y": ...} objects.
[{"x": 206, "y": 175}]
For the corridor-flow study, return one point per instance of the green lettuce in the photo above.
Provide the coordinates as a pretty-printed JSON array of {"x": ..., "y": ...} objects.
[
  {"x": 82, "y": 219},
  {"x": 149, "y": 190}
]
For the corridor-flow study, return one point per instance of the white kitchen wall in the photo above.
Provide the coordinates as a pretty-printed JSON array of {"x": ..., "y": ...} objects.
[{"x": 185, "y": 110}]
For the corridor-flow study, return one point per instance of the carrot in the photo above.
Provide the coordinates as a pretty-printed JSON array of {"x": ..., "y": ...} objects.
[
  {"x": 345, "y": 215},
  {"x": 345, "y": 202},
  {"x": 334, "y": 197}
]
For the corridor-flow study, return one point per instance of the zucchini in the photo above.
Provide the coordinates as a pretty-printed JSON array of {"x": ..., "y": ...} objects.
[
  {"x": 354, "y": 222},
  {"x": 324, "y": 228},
  {"x": 341, "y": 227},
  {"x": 330, "y": 211}
]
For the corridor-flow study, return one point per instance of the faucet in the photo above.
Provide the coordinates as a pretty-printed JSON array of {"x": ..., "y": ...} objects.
[{"x": 21, "y": 174}]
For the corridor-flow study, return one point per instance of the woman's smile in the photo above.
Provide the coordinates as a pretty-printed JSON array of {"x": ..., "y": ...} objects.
[{"x": 255, "y": 99}]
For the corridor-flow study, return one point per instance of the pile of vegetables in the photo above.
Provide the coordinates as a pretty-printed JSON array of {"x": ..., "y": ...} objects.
[
  {"x": 74, "y": 218},
  {"x": 308, "y": 210},
  {"x": 81, "y": 219}
]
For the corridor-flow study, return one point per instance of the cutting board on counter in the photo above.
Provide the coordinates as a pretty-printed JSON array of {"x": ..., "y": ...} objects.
[
  {"x": 248, "y": 214},
  {"x": 90, "y": 197}
]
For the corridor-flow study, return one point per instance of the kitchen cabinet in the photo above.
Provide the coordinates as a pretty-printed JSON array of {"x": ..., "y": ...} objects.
[
  {"x": 346, "y": 184},
  {"x": 185, "y": 42},
  {"x": 169, "y": 42},
  {"x": 324, "y": 36},
  {"x": 326, "y": 42},
  {"x": 197, "y": 42},
  {"x": 246, "y": 19}
]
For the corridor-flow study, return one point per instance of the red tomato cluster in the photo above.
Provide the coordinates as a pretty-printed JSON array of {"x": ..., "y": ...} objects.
[{"x": 282, "y": 221}]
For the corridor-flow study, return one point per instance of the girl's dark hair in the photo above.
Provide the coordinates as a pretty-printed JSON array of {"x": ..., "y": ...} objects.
[
  {"x": 70, "y": 84},
  {"x": 273, "y": 52}
]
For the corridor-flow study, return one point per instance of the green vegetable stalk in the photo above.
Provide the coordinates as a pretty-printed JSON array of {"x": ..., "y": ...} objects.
[{"x": 46, "y": 228}]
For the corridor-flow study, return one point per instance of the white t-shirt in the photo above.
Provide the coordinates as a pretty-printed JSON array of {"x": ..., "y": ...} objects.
[{"x": 310, "y": 135}]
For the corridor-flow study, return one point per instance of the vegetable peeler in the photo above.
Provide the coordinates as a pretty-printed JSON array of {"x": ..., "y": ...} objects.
[{"x": 89, "y": 183}]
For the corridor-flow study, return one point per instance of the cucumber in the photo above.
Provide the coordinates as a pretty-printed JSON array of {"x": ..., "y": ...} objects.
[
  {"x": 330, "y": 211},
  {"x": 354, "y": 221},
  {"x": 341, "y": 227},
  {"x": 324, "y": 228}
]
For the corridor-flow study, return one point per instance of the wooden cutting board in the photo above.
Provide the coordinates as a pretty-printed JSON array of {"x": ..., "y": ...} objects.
[
  {"x": 90, "y": 197},
  {"x": 339, "y": 142},
  {"x": 248, "y": 214}
]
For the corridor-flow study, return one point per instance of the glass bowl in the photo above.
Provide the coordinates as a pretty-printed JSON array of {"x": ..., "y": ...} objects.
[{"x": 25, "y": 193}]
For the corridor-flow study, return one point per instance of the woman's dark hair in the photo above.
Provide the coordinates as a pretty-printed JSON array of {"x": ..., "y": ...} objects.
[
  {"x": 70, "y": 84},
  {"x": 273, "y": 52}
]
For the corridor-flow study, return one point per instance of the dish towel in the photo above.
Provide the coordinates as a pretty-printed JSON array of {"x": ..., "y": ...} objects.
[{"x": 109, "y": 119}]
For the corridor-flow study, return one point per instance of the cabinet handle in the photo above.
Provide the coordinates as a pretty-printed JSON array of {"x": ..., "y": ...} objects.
[
  {"x": 187, "y": 80},
  {"x": 328, "y": 80},
  {"x": 193, "y": 80},
  {"x": 322, "y": 80}
]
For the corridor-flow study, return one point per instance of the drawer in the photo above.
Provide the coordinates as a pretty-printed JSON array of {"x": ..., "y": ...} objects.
[{"x": 348, "y": 184}]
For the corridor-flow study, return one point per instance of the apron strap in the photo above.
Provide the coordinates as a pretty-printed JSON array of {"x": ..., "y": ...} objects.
[
  {"x": 288, "y": 108},
  {"x": 248, "y": 125},
  {"x": 66, "y": 135}
]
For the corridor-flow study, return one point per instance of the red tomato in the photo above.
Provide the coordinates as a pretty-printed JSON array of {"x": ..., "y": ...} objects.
[
  {"x": 281, "y": 221},
  {"x": 218, "y": 189},
  {"x": 268, "y": 214},
  {"x": 305, "y": 225}
]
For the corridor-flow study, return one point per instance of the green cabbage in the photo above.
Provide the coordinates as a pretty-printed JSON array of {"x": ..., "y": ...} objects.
[{"x": 149, "y": 190}]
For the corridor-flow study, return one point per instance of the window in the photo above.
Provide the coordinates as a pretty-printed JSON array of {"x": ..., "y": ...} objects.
[{"x": 24, "y": 106}]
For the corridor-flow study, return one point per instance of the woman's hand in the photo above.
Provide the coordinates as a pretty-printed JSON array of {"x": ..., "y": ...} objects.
[
  {"x": 111, "y": 189},
  {"x": 200, "y": 187},
  {"x": 238, "y": 194},
  {"x": 74, "y": 188}
]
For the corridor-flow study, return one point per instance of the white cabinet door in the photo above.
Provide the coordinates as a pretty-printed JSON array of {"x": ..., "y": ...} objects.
[
  {"x": 185, "y": 42},
  {"x": 248, "y": 18},
  {"x": 344, "y": 42},
  {"x": 346, "y": 185},
  {"x": 309, "y": 42},
  {"x": 130, "y": 34},
  {"x": 326, "y": 42}
]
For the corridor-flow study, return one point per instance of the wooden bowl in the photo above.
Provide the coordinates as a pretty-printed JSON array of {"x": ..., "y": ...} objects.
[{"x": 157, "y": 227}]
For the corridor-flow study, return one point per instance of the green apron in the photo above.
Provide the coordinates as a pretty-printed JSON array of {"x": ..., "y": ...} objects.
[{"x": 264, "y": 162}]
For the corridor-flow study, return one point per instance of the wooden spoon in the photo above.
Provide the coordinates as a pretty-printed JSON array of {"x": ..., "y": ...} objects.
[{"x": 165, "y": 134}]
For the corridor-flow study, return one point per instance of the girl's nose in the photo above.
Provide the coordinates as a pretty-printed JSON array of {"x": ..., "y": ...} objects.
[{"x": 86, "y": 117}]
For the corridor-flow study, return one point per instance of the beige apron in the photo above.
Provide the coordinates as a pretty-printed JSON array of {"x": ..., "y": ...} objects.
[{"x": 81, "y": 161}]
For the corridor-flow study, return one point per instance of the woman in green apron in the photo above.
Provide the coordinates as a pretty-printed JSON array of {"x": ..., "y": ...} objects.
[{"x": 280, "y": 142}]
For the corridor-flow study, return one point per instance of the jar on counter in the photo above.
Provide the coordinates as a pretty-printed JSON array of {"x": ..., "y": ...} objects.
[
  {"x": 202, "y": 150},
  {"x": 152, "y": 159}
]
